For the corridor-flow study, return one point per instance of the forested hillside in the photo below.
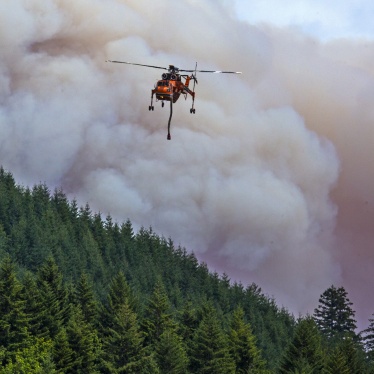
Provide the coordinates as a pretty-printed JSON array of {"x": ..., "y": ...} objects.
[{"x": 80, "y": 293}]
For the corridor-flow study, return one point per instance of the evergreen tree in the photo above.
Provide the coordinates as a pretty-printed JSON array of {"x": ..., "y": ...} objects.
[
  {"x": 210, "y": 349},
  {"x": 346, "y": 356},
  {"x": 34, "y": 306},
  {"x": 304, "y": 353},
  {"x": 354, "y": 354},
  {"x": 171, "y": 354},
  {"x": 243, "y": 346},
  {"x": 188, "y": 322},
  {"x": 368, "y": 339},
  {"x": 157, "y": 315},
  {"x": 336, "y": 363},
  {"x": 86, "y": 299},
  {"x": 3, "y": 242},
  {"x": 334, "y": 315},
  {"x": 123, "y": 345},
  {"x": 85, "y": 344},
  {"x": 35, "y": 358},
  {"x": 62, "y": 352},
  {"x": 119, "y": 293},
  {"x": 54, "y": 297},
  {"x": 13, "y": 319},
  {"x": 33, "y": 226}
]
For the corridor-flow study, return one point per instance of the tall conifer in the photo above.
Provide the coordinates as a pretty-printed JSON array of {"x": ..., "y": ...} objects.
[
  {"x": 157, "y": 315},
  {"x": 13, "y": 319},
  {"x": 304, "y": 353},
  {"x": 210, "y": 349},
  {"x": 334, "y": 315},
  {"x": 368, "y": 340},
  {"x": 54, "y": 297},
  {"x": 123, "y": 344},
  {"x": 243, "y": 346},
  {"x": 171, "y": 354}
]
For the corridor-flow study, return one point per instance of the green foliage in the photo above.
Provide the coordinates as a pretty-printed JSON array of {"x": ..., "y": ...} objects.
[
  {"x": 304, "y": 353},
  {"x": 62, "y": 352},
  {"x": 34, "y": 358},
  {"x": 347, "y": 356},
  {"x": 123, "y": 345},
  {"x": 13, "y": 319},
  {"x": 210, "y": 348},
  {"x": 82, "y": 294},
  {"x": 334, "y": 315},
  {"x": 243, "y": 347},
  {"x": 368, "y": 339},
  {"x": 171, "y": 354},
  {"x": 86, "y": 299},
  {"x": 157, "y": 315},
  {"x": 54, "y": 297},
  {"x": 84, "y": 342},
  {"x": 33, "y": 306}
]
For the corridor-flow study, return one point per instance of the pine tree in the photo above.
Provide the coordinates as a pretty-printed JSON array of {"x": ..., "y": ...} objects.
[
  {"x": 368, "y": 339},
  {"x": 243, "y": 346},
  {"x": 123, "y": 344},
  {"x": 54, "y": 297},
  {"x": 336, "y": 363},
  {"x": 353, "y": 352},
  {"x": 13, "y": 319},
  {"x": 34, "y": 306},
  {"x": 34, "y": 358},
  {"x": 304, "y": 353},
  {"x": 3, "y": 242},
  {"x": 347, "y": 356},
  {"x": 62, "y": 352},
  {"x": 86, "y": 299},
  {"x": 188, "y": 322},
  {"x": 157, "y": 315},
  {"x": 171, "y": 354},
  {"x": 334, "y": 315},
  {"x": 119, "y": 293},
  {"x": 85, "y": 344},
  {"x": 210, "y": 349}
]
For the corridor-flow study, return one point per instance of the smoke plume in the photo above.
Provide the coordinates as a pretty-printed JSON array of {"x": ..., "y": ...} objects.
[{"x": 270, "y": 181}]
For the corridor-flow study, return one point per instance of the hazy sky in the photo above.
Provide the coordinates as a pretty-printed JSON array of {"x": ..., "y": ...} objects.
[
  {"x": 271, "y": 180},
  {"x": 323, "y": 19}
]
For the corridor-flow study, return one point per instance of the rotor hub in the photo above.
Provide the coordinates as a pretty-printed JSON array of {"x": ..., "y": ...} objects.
[{"x": 173, "y": 69}]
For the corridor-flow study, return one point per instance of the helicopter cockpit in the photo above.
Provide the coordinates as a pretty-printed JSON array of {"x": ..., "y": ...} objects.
[{"x": 163, "y": 84}]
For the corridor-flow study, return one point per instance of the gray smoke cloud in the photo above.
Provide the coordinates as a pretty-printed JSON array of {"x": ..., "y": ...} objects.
[{"x": 270, "y": 181}]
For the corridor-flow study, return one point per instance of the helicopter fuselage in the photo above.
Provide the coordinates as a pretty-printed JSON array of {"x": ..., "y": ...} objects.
[{"x": 171, "y": 86}]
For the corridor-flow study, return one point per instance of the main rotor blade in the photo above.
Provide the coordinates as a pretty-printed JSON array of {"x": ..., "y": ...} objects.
[
  {"x": 132, "y": 63},
  {"x": 212, "y": 71}
]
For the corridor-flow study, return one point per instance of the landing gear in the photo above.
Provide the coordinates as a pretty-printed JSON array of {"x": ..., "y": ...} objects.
[
  {"x": 162, "y": 104},
  {"x": 151, "y": 107},
  {"x": 193, "y": 110}
]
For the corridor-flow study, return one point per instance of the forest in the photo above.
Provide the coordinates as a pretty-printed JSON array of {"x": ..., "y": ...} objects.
[{"x": 80, "y": 293}]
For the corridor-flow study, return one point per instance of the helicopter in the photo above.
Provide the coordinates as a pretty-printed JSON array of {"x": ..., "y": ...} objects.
[{"x": 171, "y": 85}]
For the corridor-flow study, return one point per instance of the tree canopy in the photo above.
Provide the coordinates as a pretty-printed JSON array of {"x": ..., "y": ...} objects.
[{"x": 80, "y": 293}]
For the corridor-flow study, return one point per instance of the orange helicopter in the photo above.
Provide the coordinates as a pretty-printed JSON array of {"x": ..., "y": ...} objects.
[{"x": 171, "y": 85}]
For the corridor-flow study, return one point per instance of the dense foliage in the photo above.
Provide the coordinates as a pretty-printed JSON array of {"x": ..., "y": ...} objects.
[{"x": 83, "y": 294}]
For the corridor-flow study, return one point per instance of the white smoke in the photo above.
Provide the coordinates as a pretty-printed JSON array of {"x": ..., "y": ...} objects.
[{"x": 246, "y": 183}]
